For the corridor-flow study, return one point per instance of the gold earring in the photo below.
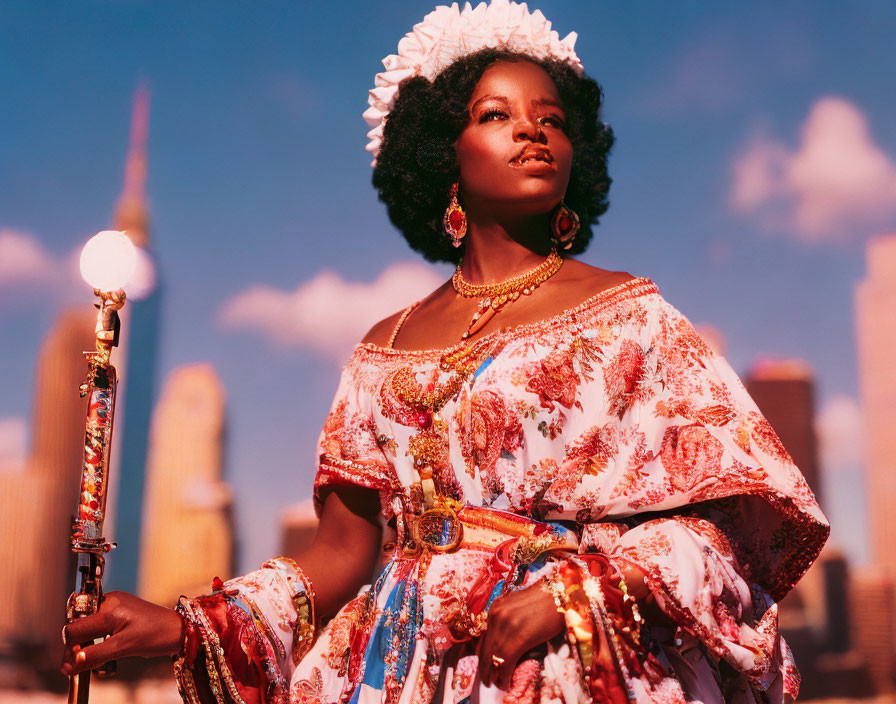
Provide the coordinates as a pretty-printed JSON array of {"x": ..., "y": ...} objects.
[
  {"x": 564, "y": 226},
  {"x": 455, "y": 220}
]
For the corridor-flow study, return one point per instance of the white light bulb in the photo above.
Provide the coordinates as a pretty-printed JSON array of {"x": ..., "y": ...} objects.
[{"x": 108, "y": 260}]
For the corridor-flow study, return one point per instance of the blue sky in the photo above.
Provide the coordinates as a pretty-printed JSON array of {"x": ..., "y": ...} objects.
[{"x": 725, "y": 116}]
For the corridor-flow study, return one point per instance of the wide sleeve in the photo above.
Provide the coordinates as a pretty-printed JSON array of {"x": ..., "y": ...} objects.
[
  {"x": 348, "y": 449},
  {"x": 718, "y": 458},
  {"x": 713, "y": 511},
  {"x": 245, "y": 638}
]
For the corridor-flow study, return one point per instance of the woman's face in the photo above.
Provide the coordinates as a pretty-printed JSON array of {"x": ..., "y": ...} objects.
[{"x": 514, "y": 154}]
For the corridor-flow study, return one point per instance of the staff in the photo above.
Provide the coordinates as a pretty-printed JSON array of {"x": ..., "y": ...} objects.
[{"x": 107, "y": 262}]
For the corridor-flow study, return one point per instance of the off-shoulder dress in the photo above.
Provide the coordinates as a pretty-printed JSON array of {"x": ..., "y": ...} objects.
[{"x": 612, "y": 429}]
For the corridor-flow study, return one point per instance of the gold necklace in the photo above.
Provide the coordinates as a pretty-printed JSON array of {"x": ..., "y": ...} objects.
[
  {"x": 493, "y": 297},
  {"x": 421, "y": 403},
  {"x": 418, "y": 406}
]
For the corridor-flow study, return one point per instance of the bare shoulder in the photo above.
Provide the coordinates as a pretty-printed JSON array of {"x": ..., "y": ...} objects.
[
  {"x": 380, "y": 333},
  {"x": 590, "y": 280}
]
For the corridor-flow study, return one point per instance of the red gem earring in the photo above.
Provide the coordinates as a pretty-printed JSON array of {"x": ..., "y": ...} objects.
[
  {"x": 455, "y": 220},
  {"x": 564, "y": 226}
]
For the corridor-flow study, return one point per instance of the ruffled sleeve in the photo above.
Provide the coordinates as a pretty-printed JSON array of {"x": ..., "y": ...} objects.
[
  {"x": 716, "y": 514},
  {"x": 348, "y": 448},
  {"x": 719, "y": 456},
  {"x": 250, "y": 632},
  {"x": 245, "y": 638}
]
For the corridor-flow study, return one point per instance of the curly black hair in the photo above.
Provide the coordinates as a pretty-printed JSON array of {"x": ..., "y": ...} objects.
[{"x": 417, "y": 163}]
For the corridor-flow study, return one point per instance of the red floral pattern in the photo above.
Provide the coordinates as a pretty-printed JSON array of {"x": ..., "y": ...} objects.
[
  {"x": 554, "y": 380},
  {"x": 690, "y": 454},
  {"x": 614, "y": 415},
  {"x": 487, "y": 428},
  {"x": 624, "y": 378}
]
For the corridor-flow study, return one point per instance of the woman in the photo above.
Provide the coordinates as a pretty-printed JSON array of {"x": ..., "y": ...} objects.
[{"x": 588, "y": 505}]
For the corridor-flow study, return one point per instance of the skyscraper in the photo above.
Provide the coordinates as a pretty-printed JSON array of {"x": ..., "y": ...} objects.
[
  {"x": 187, "y": 531},
  {"x": 873, "y": 622},
  {"x": 40, "y": 499},
  {"x": 784, "y": 390},
  {"x": 139, "y": 345},
  {"x": 875, "y": 304}
]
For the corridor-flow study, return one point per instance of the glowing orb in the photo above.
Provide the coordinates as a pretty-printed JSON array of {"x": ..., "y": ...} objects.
[
  {"x": 143, "y": 281},
  {"x": 108, "y": 260}
]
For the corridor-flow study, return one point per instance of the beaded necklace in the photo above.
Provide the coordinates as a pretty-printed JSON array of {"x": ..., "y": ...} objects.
[{"x": 493, "y": 297}]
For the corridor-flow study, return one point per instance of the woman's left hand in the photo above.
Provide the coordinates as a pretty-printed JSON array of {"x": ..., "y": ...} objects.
[{"x": 517, "y": 622}]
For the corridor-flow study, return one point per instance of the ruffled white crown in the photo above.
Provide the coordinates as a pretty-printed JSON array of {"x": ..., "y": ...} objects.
[{"x": 446, "y": 34}]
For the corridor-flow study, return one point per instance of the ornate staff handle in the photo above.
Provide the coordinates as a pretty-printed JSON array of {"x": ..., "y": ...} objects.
[{"x": 87, "y": 540}]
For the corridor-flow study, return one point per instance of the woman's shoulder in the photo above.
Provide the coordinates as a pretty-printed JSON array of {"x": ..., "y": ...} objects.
[
  {"x": 589, "y": 288},
  {"x": 585, "y": 281},
  {"x": 635, "y": 302},
  {"x": 380, "y": 333}
]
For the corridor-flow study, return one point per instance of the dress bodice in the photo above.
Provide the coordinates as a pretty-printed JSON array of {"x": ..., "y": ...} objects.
[
  {"x": 615, "y": 417},
  {"x": 612, "y": 408}
]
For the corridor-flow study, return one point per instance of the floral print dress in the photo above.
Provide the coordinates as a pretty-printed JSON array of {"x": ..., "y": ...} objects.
[{"x": 614, "y": 426}]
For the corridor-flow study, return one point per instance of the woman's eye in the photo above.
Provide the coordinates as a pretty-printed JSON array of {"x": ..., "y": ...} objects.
[
  {"x": 490, "y": 115},
  {"x": 554, "y": 121}
]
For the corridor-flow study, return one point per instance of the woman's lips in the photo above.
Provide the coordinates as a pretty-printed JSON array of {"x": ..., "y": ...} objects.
[
  {"x": 534, "y": 159},
  {"x": 534, "y": 166}
]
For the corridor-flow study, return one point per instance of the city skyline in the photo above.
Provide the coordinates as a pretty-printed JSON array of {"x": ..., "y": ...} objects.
[
  {"x": 187, "y": 537},
  {"x": 259, "y": 188}
]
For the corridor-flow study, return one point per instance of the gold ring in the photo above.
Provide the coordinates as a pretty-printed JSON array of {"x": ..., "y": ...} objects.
[{"x": 496, "y": 661}]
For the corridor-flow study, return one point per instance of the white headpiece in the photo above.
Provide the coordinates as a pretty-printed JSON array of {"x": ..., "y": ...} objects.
[{"x": 446, "y": 34}]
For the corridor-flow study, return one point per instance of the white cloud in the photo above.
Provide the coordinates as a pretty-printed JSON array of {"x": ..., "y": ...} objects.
[
  {"x": 27, "y": 266},
  {"x": 327, "y": 313},
  {"x": 23, "y": 259},
  {"x": 840, "y": 434},
  {"x": 13, "y": 442},
  {"x": 835, "y": 185}
]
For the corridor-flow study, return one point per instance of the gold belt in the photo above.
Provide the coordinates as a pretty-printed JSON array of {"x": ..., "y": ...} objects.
[
  {"x": 450, "y": 525},
  {"x": 514, "y": 542}
]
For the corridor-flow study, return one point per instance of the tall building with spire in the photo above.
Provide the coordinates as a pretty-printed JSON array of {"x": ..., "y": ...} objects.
[
  {"x": 139, "y": 348},
  {"x": 875, "y": 302}
]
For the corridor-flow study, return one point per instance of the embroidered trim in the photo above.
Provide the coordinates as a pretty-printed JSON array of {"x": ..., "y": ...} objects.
[
  {"x": 633, "y": 288},
  {"x": 215, "y": 662}
]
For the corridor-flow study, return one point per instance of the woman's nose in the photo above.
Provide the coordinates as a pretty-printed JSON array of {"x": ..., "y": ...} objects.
[{"x": 527, "y": 128}]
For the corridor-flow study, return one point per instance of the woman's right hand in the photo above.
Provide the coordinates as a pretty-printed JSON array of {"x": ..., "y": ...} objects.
[{"x": 133, "y": 626}]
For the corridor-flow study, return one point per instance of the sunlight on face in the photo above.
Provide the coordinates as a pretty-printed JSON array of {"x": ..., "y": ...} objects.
[{"x": 514, "y": 152}]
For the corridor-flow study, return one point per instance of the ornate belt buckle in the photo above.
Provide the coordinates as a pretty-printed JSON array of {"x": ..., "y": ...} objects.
[{"x": 438, "y": 528}]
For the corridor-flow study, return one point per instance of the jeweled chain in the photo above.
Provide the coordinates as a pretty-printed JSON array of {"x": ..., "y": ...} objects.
[
  {"x": 427, "y": 444},
  {"x": 431, "y": 399},
  {"x": 496, "y": 295}
]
